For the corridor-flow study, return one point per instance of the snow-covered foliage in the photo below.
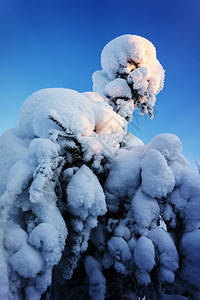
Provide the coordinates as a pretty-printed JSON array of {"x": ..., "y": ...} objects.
[
  {"x": 86, "y": 209},
  {"x": 131, "y": 75}
]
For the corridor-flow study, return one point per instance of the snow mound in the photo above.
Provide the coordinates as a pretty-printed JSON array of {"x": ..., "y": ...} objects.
[
  {"x": 130, "y": 71},
  {"x": 144, "y": 254},
  {"x": 85, "y": 194},
  {"x": 167, "y": 144},
  {"x": 61, "y": 105},
  {"x": 157, "y": 178},
  {"x": 124, "y": 52},
  {"x": 190, "y": 248}
]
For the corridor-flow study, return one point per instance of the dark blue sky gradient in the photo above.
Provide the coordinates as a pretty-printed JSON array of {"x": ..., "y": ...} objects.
[{"x": 46, "y": 43}]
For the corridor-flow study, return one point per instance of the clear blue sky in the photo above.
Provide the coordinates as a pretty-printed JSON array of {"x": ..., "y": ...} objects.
[{"x": 46, "y": 43}]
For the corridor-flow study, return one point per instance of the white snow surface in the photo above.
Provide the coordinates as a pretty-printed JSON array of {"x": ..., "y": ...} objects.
[
  {"x": 118, "y": 88},
  {"x": 74, "y": 113},
  {"x": 157, "y": 178},
  {"x": 97, "y": 288},
  {"x": 166, "y": 247},
  {"x": 119, "y": 249},
  {"x": 190, "y": 248},
  {"x": 130, "y": 71},
  {"x": 124, "y": 177},
  {"x": 27, "y": 261},
  {"x": 144, "y": 254},
  {"x": 85, "y": 194},
  {"x": 167, "y": 144},
  {"x": 122, "y": 53},
  {"x": 145, "y": 211}
]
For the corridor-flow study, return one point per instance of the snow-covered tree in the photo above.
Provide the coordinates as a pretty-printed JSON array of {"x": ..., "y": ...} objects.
[{"x": 86, "y": 209}]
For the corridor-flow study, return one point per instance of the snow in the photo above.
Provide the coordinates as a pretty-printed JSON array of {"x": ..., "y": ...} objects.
[
  {"x": 85, "y": 194},
  {"x": 63, "y": 105},
  {"x": 97, "y": 288},
  {"x": 166, "y": 247},
  {"x": 107, "y": 260},
  {"x": 130, "y": 141},
  {"x": 144, "y": 254},
  {"x": 69, "y": 104},
  {"x": 12, "y": 149},
  {"x": 32, "y": 293},
  {"x": 130, "y": 70},
  {"x": 167, "y": 144},
  {"x": 132, "y": 243},
  {"x": 125, "y": 170},
  {"x": 98, "y": 99},
  {"x": 143, "y": 278},
  {"x": 20, "y": 174},
  {"x": 144, "y": 212},
  {"x": 122, "y": 231},
  {"x": 15, "y": 237},
  {"x": 190, "y": 248},
  {"x": 42, "y": 151},
  {"x": 177, "y": 201},
  {"x": 122, "y": 53},
  {"x": 100, "y": 79},
  {"x": 166, "y": 275},
  {"x": 119, "y": 248},
  {"x": 57, "y": 109},
  {"x": 46, "y": 238},
  {"x": 190, "y": 190},
  {"x": 118, "y": 88},
  {"x": 27, "y": 261},
  {"x": 157, "y": 178}
]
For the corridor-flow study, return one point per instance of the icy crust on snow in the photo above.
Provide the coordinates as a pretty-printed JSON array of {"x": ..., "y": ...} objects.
[{"x": 131, "y": 75}]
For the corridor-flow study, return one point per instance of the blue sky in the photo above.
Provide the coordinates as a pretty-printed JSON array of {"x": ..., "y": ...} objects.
[{"x": 46, "y": 43}]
